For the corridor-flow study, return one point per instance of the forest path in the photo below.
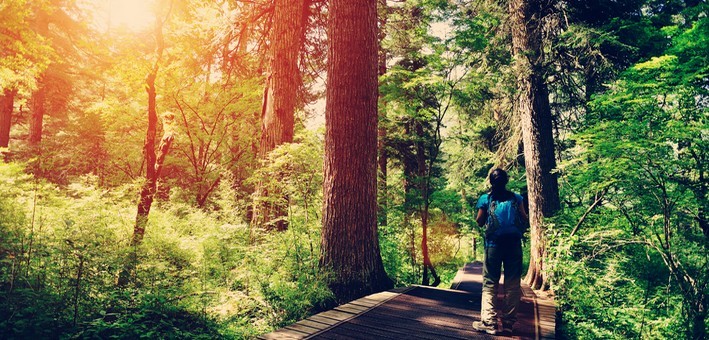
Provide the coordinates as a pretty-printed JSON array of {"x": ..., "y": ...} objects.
[{"x": 420, "y": 312}]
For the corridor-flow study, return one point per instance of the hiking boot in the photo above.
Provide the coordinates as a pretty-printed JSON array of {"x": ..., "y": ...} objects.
[{"x": 482, "y": 327}]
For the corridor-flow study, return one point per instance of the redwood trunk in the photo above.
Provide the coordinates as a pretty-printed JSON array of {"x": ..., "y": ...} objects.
[
  {"x": 7, "y": 101},
  {"x": 279, "y": 100},
  {"x": 350, "y": 245},
  {"x": 536, "y": 120}
]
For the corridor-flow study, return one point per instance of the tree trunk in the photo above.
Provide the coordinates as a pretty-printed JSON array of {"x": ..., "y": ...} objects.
[
  {"x": 350, "y": 244},
  {"x": 37, "y": 110},
  {"x": 699, "y": 329},
  {"x": 279, "y": 99},
  {"x": 533, "y": 106},
  {"x": 152, "y": 160},
  {"x": 147, "y": 192},
  {"x": 7, "y": 101},
  {"x": 409, "y": 183},
  {"x": 37, "y": 102},
  {"x": 700, "y": 193},
  {"x": 423, "y": 184}
]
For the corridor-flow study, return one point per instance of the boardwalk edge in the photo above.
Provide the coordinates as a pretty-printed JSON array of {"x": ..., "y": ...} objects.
[{"x": 324, "y": 321}]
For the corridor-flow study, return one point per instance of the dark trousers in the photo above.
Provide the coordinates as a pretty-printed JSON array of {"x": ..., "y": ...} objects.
[{"x": 507, "y": 253}]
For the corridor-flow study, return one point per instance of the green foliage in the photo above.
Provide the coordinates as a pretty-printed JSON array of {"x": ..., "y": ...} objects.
[
  {"x": 199, "y": 275},
  {"x": 641, "y": 153},
  {"x": 25, "y": 53},
  {"x": 628, "y": 88},
  {"x": 152, "y": 317},
  {"x": 294, "y": 172}
]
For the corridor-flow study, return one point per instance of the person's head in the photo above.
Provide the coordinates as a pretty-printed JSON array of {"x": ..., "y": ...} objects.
[{"x": 498, "y": 179}]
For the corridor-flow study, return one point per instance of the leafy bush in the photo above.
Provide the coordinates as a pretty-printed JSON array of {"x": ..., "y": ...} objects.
[{"x": 200, "y": 274}]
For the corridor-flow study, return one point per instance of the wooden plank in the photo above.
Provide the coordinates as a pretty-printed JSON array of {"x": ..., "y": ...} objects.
[
  {"x": 407, "y": 327},
  {"x": 283, "y": 334},
  {"x": 365, "y": 304},
  {"x": 382, "y": 296},
  {"x": 422, "y": 306},
  {"x": 312, "y": 323},
  {"x": 401, "y": 290},
  {"x": 324, "y": 320},
  {"x": 350, "y": 308},
  {"x": 380, "y": 332},
  {"x": 401, "y": 315},
  {"x": 330, "y": 335},
  {"x": 302, "y": 328},
  {"x": 337, "y": 315},
  {"x": 399, "y": 331},
  {"x": 355, "y": 305}
]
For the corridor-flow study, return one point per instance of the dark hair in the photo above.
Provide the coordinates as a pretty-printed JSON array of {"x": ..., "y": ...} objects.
[
  {"x": 498, "y": 183},
  {"x": 498, "y": 178}
]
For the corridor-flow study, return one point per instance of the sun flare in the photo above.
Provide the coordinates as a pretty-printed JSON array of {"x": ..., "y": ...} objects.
[{"x": 135, "y": 15}]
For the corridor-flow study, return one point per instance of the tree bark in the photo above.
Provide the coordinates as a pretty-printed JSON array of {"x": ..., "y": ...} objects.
[
  {"x": 37, "y": 110},
  {"x": 699, "y": 329},
  {"x": 424, "y": 188},
  {"x": 350, "y": 244},
  {"x": 152, "y": 160},
  {"x": 279, "y": 99},
  {"x": 37, "y": 102},
  {"x": 7, "y": 101},
  {"x": 535, "y": 113}
]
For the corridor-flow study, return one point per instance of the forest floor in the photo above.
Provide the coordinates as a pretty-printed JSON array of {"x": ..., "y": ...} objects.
[{"x": 420, "y": 312}]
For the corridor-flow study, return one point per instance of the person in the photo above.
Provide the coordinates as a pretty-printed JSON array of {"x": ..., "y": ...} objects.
[{"x": 502, "y": 213}]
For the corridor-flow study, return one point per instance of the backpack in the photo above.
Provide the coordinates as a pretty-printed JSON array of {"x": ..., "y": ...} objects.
[{"x": 509, "y": 226}]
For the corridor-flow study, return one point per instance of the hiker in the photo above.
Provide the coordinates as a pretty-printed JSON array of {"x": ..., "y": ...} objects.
[{"x": 502, "y": 213}]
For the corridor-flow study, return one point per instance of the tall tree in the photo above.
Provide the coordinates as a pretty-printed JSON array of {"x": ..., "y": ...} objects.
[
  {"x": 59, "y": 26},
  {"x": 350, "y": 245},
  {"x": 23, "y": 58},
  {"x": 279, "y": 97},
  {"x": 7, "y": 101},
  {"x": 153, "y": 160},
  {"x": 37, "y": 103},
  {"x": 532, "y": 104},
  {"x": 418, "y": 89}
]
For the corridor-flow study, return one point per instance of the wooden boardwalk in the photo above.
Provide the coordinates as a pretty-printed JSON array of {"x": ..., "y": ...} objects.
[{"x": 420, "y": 312}]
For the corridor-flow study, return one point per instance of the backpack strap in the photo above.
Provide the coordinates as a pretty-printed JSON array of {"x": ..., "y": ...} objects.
[
  {"x": 521, "y": 223},
  {"x": 492, "y": 222}
]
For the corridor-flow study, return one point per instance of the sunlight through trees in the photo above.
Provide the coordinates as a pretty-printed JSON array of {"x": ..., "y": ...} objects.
[{"x": 220, "y": 169}]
